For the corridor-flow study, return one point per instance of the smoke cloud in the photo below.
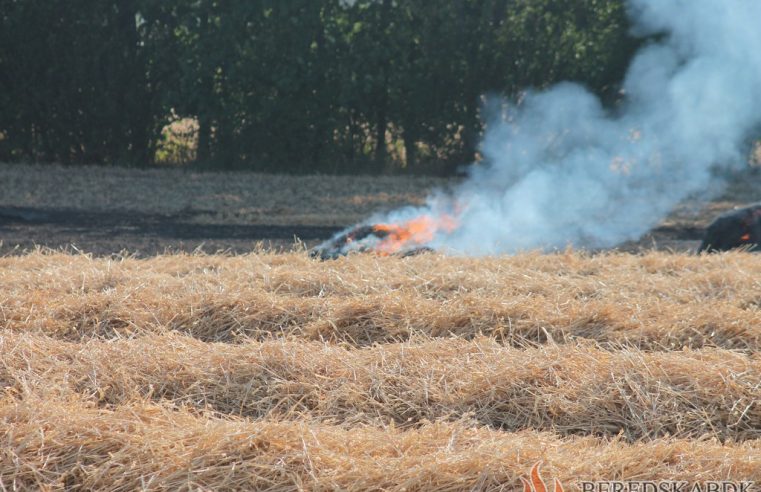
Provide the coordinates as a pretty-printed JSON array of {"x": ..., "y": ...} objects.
[{"x": 560, "y": 169}]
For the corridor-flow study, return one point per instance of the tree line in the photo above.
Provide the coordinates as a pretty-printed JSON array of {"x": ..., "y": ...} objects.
[{"x": 288, "y": 85}]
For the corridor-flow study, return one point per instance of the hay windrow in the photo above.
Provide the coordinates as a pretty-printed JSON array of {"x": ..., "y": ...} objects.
[
  {"x": 570, "y": 389},
  {"x": 654, "y": 302},
  {"x": 65, "y": 444},
  {"x": 279, "y": 372}
]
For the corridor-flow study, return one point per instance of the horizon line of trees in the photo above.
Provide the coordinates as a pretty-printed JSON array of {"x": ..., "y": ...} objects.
[{"x": 288, "y": 85}]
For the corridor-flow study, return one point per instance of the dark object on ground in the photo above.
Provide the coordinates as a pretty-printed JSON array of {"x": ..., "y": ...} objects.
[
  {"x": 361, "y": 239},
  {"x": 350, "y": 241},
  {"x": 417, "y": 251},
  {"x": 739, "y": 228}
]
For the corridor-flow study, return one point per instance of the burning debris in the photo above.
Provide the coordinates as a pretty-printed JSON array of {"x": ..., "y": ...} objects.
[
  {"x": 558, "y": 165},
  {"x": 407, "y": 238},
  {"x": 739, "y": 228}
]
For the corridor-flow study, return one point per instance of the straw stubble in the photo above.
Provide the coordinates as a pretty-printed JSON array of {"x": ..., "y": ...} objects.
[{"x": 278, "y": 372}]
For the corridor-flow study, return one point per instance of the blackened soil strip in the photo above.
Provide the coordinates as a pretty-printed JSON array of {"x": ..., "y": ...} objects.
[
  {"x": 105, "y": 233},
  {"x": 691, "y": 233},
  {"x": 112, "y": 232}
]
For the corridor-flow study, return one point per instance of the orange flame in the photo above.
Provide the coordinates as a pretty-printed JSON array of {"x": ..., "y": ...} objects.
[
  {"x": 536, "y": 484},
  {"x": 416, "y": 232}
]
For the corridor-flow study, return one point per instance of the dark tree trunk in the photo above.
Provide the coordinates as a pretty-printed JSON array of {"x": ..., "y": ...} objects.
[
  {"x": 206, "y": 89},
  {"x": 203, "y": 153},
  {"x": 381, "y": 122},
  {"x": 410, "y": 150},
  {"x": 225, "y": 154},
  {"x": 135, "y": 105}
]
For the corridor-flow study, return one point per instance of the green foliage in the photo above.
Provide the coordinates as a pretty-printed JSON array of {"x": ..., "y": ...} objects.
[
  {"x": 288, "y": 85},
  {"x": 78, "y": 81}
]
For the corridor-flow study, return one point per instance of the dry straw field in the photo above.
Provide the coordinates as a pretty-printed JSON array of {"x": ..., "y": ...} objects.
[
  {"x": 280, "y": 372},
  {"x": 275, "y": 371}
]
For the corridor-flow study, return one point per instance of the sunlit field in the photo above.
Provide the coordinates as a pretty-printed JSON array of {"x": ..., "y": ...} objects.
[
  {"x": 363, "y": 245},
  {"x": 283, "y": 372}
]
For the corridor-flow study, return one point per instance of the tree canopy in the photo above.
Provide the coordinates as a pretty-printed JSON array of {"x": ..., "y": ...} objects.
[{"x": 288, "y": 85}]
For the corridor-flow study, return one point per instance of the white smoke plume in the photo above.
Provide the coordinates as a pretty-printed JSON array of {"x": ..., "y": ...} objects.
[{"x": 560, "y": 169}]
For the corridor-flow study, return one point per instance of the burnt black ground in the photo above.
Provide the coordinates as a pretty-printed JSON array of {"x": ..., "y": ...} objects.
[
  {"x": 109, "y": 232},
  {"x": 105, "y": 233}
]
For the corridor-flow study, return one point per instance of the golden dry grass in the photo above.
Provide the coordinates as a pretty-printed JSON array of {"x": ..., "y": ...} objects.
[
  {"x": 656, "y": 301},
  {"x": 565, "y": 389},
  {"x": 57, "y": 445},
  {"x": 280, "y": 372}
]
